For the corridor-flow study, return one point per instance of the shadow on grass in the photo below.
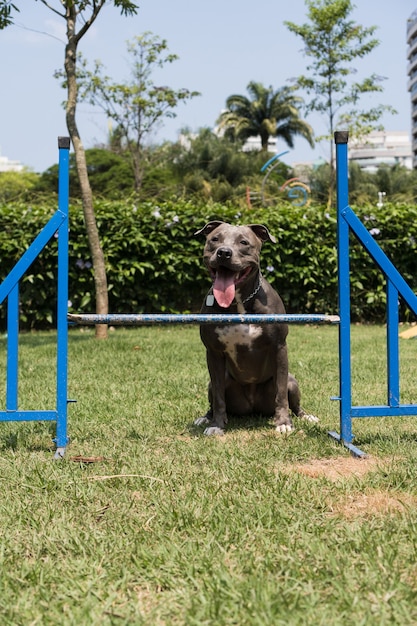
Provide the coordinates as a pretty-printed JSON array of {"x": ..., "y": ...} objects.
[
  {"x": 397, "y": 437},
  {"x": 260, "y": 422},
  {"x": 38, "y": 438},
  {"x": 34, "y": 340}
]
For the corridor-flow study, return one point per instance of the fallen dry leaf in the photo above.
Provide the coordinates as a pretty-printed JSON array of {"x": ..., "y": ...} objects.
[{"x": 87, "y": 459}]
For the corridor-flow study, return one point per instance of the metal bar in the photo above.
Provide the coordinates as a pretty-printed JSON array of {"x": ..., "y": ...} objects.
[
  {"x": 393, "y": 359},
  {"x": 384, "y": 410},
  {"x": 27, "y": 416},
  {"x": 30, "y": 255},
  {"x": 380, "y": 258},
  {"x": 116, "y": 319},
  {"x": 61, "y": 439},
  {"x": 12, "y": 349},
  {"x": 352, "y": 449},
  {"x": 274, "y": 158},
  {"x": 345, "y": 375}
]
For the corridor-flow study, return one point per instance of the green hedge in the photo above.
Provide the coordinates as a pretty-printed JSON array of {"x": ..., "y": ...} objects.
[{"x": 154, "y": 262}]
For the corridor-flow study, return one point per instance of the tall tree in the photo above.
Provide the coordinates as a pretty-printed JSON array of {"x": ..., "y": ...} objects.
[
  {"x": 79, "y": 16},
  {"x": 266, "y": 113},
  {"x": 137, "y": 106},
  {"x": 333, "y": 44}
]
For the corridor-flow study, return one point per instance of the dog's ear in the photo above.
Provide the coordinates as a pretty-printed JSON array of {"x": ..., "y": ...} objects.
[
  {"x": 206, "y": 230},
  {"x": 262, "y": 232}
]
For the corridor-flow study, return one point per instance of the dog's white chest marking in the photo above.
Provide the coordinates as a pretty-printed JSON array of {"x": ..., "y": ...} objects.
[{"x": 237, "y": 335}]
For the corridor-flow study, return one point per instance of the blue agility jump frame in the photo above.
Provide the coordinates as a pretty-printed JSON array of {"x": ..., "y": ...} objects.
[
  {"x": 346, "y": 222},
  {"x": 9, "y": 289}
]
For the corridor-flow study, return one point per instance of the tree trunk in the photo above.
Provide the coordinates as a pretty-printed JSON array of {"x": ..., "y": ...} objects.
[
  {"x": 97, "y": 256},
  {"x": 332, "y": 181},
  {"x": 264, "y": 141},
  {"x": 332, "y": 176},
  {"x": 136, "y": 157}
]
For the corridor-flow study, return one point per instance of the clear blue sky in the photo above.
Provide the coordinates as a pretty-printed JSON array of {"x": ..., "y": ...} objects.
[{"x": 222, "y": 45}]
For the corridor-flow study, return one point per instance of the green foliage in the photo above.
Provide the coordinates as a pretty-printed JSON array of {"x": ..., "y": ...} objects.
[
  {"x": 16, "y": 186},
  {"x": 136, "y": 106},
  {"x": 397, "y": 183},
  {"x": 333, "y": 45},
  {"x": 110, "y": 175},
  {"x": 6, "y": 13},
  {"x": 154, "y": 263},
  {"x": 212, "y": 167},
  {"x": 203, "y": 168}
]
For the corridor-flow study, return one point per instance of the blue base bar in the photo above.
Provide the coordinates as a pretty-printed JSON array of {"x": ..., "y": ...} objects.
[
  {"x": 384, "y": 411},
  {"x": 356, "y": 452},
  {"x": 27, "y": 416}
]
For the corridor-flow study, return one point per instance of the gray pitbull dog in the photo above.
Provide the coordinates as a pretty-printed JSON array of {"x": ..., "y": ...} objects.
[{"x": 247, "y": 363}]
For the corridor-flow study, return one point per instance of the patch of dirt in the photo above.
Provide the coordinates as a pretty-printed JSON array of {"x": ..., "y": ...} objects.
[
  {"x": 353, "y": 505},
  {"x": 374, "y": 503},
  {"x": 148, "y": 598},
  {"x": 337, "y": 468}
]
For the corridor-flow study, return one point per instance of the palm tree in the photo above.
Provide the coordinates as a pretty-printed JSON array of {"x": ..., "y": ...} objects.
[{"x": 267, "y": 113}]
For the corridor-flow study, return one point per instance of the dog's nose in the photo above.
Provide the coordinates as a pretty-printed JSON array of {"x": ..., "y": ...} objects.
[{"x": 224, "y": 253}]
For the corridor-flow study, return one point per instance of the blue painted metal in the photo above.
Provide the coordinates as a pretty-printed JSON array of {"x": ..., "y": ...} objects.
[
  {"x": 352, "y": 449},
  {"x": 272, "y": 160},
  {"x": 393, "y": 353},
  {"x": 57, "y": 225},
  {"x": 298, "y": 193},
  {"x": 115, "y": 319},
  {"x": 31, "y": 253},
  {"x": 12, "y": 348},
  {"x": 383, "y": 410},
  {"x": 345, "y": 376},
  {"x": 29, "y": 416},
  {"x": 380, "y": 258},
  {"x": 348, "y": 222},
  {"x": 61, "y": 439}
]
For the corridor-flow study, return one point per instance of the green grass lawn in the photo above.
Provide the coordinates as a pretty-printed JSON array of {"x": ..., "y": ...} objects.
[{"x": 171, "y": 527}]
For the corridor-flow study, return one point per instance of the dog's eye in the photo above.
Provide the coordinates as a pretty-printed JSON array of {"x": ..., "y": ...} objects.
[
  {"x": 214, "y": 238},
  {"x": 244, "y": 242}
]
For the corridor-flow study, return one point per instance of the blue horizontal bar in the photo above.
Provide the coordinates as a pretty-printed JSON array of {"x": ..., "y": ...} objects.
[
  {"x": 384, "y": 410},
  {"x": 27, "y": 416},
  {"x": 115, "y": 319}
]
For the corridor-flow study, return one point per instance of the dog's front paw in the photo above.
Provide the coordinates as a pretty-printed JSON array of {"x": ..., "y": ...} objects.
[
  {"x": 214, "y": 431},
  {"x": 201, "y": 421},
  {"x": 310, "y": 418},
  {"x": 284, "y": 428}
]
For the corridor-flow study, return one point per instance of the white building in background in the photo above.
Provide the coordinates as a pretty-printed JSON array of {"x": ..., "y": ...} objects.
[
  {"x": 6, "y": 165},
  {"x": 254, "y": 143},
  {"x": 382, "y": 148}
]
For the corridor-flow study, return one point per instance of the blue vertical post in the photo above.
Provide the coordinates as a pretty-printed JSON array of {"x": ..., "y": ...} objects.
[
  {"x": 345, "y": 375},
  {"x": 62, "y": 304},
  {"x": 12, "y": 349},
  {"x": 393, "y": 358}
]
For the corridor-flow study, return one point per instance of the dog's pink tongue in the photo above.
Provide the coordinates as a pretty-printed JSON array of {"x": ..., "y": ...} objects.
[{"x": 224, "y": 288}]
